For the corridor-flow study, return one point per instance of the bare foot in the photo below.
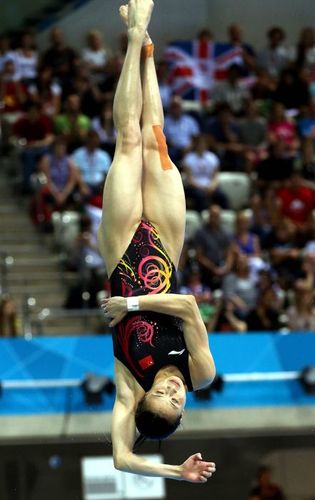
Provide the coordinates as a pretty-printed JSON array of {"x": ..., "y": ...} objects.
[
  {"x": 123, "y": 11},
  {"x": 139, "y": 15}
]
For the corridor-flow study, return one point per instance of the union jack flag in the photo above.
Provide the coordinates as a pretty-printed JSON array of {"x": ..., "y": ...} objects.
[{"x": 195, "y": 66}]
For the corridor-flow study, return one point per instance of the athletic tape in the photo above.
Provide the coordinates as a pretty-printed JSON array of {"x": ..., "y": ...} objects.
[{"x": 166, "y": 163}]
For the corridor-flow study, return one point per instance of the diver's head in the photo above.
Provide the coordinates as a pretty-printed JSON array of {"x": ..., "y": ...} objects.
[{"x": 160, "y": 412}]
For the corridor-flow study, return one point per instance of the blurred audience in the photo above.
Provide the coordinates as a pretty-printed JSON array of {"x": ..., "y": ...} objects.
[{"x": 259, "y": 120}]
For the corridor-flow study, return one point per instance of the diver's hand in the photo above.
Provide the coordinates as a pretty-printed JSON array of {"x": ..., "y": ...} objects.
[
  {"x": 115, "y": 308},
  {"x": 195, "y": 470}
]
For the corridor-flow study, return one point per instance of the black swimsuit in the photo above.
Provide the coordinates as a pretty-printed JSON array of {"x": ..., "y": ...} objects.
[{"x": 145, "y": 341}]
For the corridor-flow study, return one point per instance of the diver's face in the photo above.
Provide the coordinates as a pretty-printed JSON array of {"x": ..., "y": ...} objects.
[{"x": 167, "y": 397}]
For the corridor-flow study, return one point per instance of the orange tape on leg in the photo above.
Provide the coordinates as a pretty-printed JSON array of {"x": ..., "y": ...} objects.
[
  {"x": 147, "y": 50},
  {"x": 166, "y": 163}
]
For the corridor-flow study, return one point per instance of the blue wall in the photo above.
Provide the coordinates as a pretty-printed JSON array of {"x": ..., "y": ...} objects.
[{"x": 74, "y": 357}]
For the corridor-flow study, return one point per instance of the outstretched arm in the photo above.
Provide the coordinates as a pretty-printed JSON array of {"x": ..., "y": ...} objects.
[{"x": 194, "y": 469}]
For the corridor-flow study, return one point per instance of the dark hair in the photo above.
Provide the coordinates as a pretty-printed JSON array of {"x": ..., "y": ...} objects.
[{"x": 151, "y": 425}]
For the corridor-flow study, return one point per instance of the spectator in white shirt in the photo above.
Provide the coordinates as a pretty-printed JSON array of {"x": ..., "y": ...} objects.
[
  {"x": 201, "y": 168},
  {"x": 6, "y": 54},
  {"x": 180, "y": 130},
  {"x": 27, "y": 58},
  {"x": 92, "y": 162},
  {"x": 95, "y": 55},
  {"x": 275, "y": 57}
]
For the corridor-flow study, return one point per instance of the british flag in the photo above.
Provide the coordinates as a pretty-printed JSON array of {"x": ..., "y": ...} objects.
[{"x": 195, "y": 66}]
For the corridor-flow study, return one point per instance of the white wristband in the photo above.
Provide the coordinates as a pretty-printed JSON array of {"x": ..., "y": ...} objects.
[{"x": 132, "y": 304}]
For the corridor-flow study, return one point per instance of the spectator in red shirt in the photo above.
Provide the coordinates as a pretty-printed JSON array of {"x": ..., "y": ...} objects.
[
  {"x": 35, "y": 132},
  {"x": 280, "y": 129},
  {"x": 296, "y": 201}
]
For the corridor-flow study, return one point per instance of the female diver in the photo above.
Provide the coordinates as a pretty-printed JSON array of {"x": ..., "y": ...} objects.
[{"x": 160, "y": 341}]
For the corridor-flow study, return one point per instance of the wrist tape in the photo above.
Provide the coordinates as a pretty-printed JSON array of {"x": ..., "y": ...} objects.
[{"x": 132, "y": 304}]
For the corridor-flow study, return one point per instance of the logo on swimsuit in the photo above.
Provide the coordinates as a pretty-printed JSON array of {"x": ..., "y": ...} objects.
[{"x": 176, "y": 353}]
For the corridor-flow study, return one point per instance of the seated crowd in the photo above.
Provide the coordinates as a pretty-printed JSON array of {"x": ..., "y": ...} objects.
[{"x": 255, "y": 273}]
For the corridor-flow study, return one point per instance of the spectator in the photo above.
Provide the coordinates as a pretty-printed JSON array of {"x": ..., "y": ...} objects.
[
  {"x": 104, "y": 126},
  {"x": 301, "y": 315},
  {"x": 264, "y": 210},
  {"x": 201, "y": 167},
  {"x": 162, "y": 72},
  {"x": 285, "y": 255},
  {"x": 92, "y": 162},
  {"x": 6, "y": 54},
  {"x": 253, "y": 134},
  {"x": 205, "y": 36},
  {"x": 276, "y": 168},
  {"x": 88, "y": 92},
  {"x": 46, "y": 90},
  {"x": 292, "y": 91},
  {"x": 246, "y": 242},
  {"x": 225, "y": 319},
  {"x": 8, "y": 317},
  {"x": 87, "y": 240},
  {"x": 297, "y": 201},
  {"x": 309, "y": 248},
  {"x": 214, "y": 252},
  {"x": 36, "y": 131},
  {"x": 72, "y": 124},
  {"x": 306, "y": 122},
  {"x": 275, "y": 57},
  {"x": 265, "y": 315},
  {"x": 12, "y": 92},
  {"x": 235, "y": 35},
  {"x": 281, "y": 129},
  {"x": 180, "y": 130},
  {"x": 239, "y": 287},
  {"x": 263, "y": 88},
  {"x": 62, "y": 179},
  {"x": 95, "y": 55},
  {"x": 224, "y": 138},
  {"x": 265, "y": 489},
  {"x": 231, "y": 91},
  {"x": 201, "y": 292},
  {"x": 27, "y": 58},
  {"x": 59, "y": 57},
  {"x": 304, "y": 55}
]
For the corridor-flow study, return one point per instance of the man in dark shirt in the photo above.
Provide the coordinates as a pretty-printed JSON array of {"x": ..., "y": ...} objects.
[
  {"x": 276, "y": 167},
  {"x": 214, "y": 250},
  {"x": 59, "y": 57},
  {"x": 34, "y": 131},
  {"x": 224, "y": 138}
]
